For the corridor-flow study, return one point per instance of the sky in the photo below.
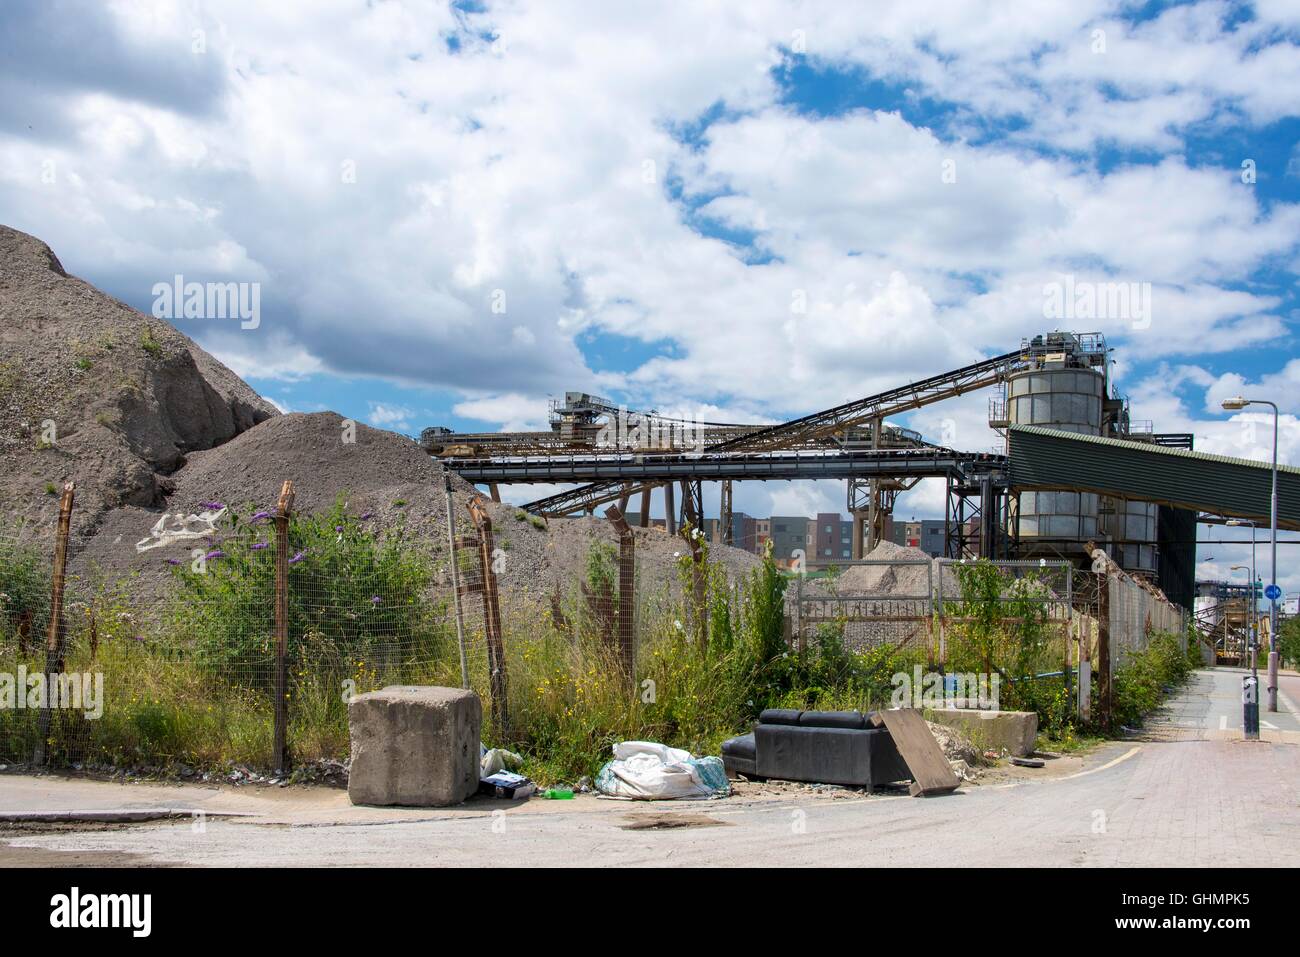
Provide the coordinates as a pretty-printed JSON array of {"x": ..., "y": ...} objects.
[{"x": 737, "y": 212}]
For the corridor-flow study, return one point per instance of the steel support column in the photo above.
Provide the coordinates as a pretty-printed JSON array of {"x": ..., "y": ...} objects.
[{"x": 725, "y": 532}]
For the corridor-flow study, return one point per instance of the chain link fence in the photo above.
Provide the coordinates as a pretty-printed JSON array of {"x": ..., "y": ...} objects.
[
  {"x": 1027, "y": 621},
  {"x": 267, "y": 624}
]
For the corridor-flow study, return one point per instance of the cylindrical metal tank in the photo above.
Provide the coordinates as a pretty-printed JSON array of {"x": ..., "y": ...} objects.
[
  {"x": 1131, "y": 527},
  {"x": 1057, "y": 396}
]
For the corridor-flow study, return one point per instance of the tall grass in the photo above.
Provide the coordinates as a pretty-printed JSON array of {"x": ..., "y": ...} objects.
[{"x": 192, "y": 683}]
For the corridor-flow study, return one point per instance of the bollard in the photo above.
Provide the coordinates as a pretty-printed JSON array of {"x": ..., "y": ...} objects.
[{"x": 1250, "y": 706}]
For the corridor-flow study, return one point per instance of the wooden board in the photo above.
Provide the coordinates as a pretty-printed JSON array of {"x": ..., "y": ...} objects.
[{"x": 931, "y": 772}]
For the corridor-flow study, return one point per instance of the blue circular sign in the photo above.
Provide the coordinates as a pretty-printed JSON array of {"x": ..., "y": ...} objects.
[{"x": 1272, "y": 593}]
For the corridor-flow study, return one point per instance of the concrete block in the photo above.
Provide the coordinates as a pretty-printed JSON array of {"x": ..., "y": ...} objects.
[
  {"x": 414, "y": 745},
  {"x": 1014, "y": 731}
]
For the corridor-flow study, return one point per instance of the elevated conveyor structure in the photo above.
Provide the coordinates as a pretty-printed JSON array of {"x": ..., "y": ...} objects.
[{"x": 1058, "y": 379}]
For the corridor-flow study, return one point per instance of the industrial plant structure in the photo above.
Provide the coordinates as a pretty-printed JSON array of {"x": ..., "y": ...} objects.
[{"x": 1075, "y": 468}]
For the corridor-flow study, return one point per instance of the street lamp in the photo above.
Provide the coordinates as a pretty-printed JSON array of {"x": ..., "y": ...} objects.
[
  {"x": 1254, "y": 601},
  {"x": 1234, "y": 404},
  {"x": 1250, "y": 689}
]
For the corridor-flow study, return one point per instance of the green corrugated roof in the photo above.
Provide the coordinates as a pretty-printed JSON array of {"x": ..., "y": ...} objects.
[
  {"x": 1044, "y": 458},
  {"x": 1131, "y": 444}
]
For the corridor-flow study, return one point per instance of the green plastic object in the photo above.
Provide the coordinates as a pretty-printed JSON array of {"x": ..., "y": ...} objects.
[{"x": 558, "y": 794}]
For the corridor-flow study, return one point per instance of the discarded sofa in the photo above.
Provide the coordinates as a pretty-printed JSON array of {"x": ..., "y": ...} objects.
[{"x": 824, "y": 747}]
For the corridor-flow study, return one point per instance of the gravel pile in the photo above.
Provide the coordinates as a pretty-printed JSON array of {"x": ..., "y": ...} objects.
[
  {"x": 895, "y": 580},
  {"x": 96, "y": 392},
  {"x": 147, "y": 423},
  {"x": 379, "y": 474}
]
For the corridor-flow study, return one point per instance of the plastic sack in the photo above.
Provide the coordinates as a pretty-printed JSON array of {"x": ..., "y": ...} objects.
[
  {"x": 648, "y": 771},
  {"x": 497, "y": 759}
]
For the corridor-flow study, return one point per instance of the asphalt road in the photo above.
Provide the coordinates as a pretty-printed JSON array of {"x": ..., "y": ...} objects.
[{"x": 1186, "y": 792}]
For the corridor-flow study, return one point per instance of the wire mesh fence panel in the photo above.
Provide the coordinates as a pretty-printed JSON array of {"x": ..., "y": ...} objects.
[
  {"x": 1137, "y": 612},
  {"x": 25, "y": 585},
  {"x": 1014, "y": 616},
  {"x": 364, "y": 612},
  {"x": 465, "y": 601},
  {"x": 188, "y": 670},
  {"x": 168, "y": 668},
  {"x": 571, "y": 650},
  {"x": 866, "y": 605}
]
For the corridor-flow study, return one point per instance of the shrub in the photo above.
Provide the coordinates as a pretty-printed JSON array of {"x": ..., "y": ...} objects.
[
  {"x": 1141, "y": 681},
  {"x": 1289, "y": 641},
  {"x": 150, "y": 344},
  {"x": 357, "y": 606},
  {"x": 24, "y": 590}
]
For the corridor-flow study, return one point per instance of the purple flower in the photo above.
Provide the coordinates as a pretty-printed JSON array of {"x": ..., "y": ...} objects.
[
  {"x": 173, "y": 561},
  {"x": 296, "y": 558},
  {"x": 365, "y": 516},
  {"x": 258, "y": 546},
  {"x": 216, "y": 553},
  {"x": 214, "y": 506},
  {"x": 137, "y": 637},
  {"x": 338, "y": 528},
  {"x": 374, "y": 599},
  {"x": 261, "y": 516}
]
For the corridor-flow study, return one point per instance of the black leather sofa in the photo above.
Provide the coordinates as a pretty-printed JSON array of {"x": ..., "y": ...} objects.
[{"x": 824, "y": 747}]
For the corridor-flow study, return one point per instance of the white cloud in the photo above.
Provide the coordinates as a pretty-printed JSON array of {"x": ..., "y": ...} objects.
[
  {"x": 515, "y": 412},
  {"x": 457, "y": 218},
  {"x": 387, "y": 416}
]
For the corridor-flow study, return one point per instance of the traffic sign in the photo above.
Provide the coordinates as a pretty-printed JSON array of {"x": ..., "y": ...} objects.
[{"x": 1272, "y": 593}]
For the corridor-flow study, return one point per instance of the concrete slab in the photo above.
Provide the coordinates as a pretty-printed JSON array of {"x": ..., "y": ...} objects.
[{"x": 1013, "y": 731}]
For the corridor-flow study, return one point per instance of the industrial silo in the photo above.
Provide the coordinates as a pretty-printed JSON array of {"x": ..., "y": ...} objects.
[
  {"x": 1131, "y": 528},
  {"x": 1062, "y": 387}
]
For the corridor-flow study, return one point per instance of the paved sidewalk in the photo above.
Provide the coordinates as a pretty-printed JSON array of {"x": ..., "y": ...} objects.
[{"x": 1209, "y": 708}]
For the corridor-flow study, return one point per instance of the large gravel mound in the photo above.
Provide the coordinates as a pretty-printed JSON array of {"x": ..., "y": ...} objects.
[
  {"x": 145, "y": 422},
  {"x": 127, "y": 396},
  {"x": 895, "y": 580},
  {"x": 381, "y": 474}
]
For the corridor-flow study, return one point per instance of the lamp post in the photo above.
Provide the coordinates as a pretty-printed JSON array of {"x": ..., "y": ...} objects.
[
  {"x": 1234, "y": 404},
  {"x": 1254, "y": 600},
  {"x": 1250, "y": 691},
  {"x": 1250, "y": 629}
]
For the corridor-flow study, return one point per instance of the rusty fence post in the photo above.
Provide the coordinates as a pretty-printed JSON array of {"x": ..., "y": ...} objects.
[
  {"x": 280, "y": 757},
  {"x": 626, "y": 591},
  {"x": 491, "y": 616},
  {"x": 455, "y": 581},
  {"x": 699, "y": 612},
  {"x": 1103, "y": 647},
  {"x": 54, "y": 636}
]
